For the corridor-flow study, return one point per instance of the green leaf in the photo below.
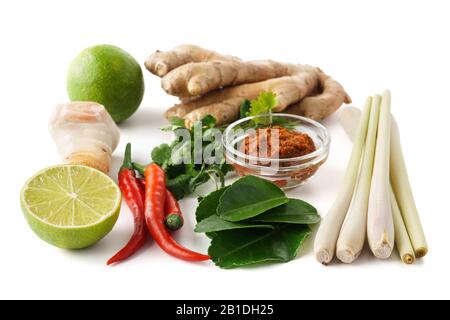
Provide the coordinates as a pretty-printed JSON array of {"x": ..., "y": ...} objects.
[
  {"x": 285, "y": 123},
  {"x": 295, "y": 211},
  {"x": 208, "y": 121},
  {"x": 161, "y": 155},
  {"x": 208, "y": 135},
  {"x": 225, "y": 168},
  {"x": 265, "y": 102},
  {"x": 236, "y": 248},
  {"x": 244, "y": 111},
  {"x": 208, "y": 205},
  {"x": 183, "y": 177},
  {"x": 249, "y": 197},
  {"x": 214, "y": 223},
  {"x": 175, "y": 123},
  {"x": 179, "y": 186},
  {"x": 198, "y": 180},
  {"x": 181, "y": 153},
  {"x": 174, "y": 171}
]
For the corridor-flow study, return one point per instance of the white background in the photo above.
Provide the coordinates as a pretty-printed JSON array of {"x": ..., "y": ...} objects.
[{"x": 366, "y": 45}]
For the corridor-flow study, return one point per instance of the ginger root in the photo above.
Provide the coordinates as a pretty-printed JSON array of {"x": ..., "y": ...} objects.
[
  {"x": 321, "y": 105},
  {"x": 211, "y": 83},
  {"x": 85, "y": 134}
]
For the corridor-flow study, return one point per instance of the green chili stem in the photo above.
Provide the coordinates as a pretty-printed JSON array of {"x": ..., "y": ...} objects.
[
  {"x": 139, "y": 168},
  {"x": 127, "y": 164}
]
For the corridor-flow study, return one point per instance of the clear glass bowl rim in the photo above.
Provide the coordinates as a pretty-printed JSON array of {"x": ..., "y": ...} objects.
[{"x": 323, "y": 132}]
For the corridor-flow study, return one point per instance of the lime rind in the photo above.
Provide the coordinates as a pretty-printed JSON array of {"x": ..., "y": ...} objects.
[{"x": 107, "y": 75}]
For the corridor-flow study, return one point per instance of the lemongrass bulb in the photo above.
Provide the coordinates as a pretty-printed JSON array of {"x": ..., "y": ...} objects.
[
  {"x": 402, "y": 239},
  {"x": 404, "y": 195},
  {"x": 380, "y": 225},
  {"x": 328, "y": 232},
  {"x": 353, "y": 233}
]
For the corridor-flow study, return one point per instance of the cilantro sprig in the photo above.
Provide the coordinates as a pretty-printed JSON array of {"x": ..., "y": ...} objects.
[
  {"x": 184, "y": 177},
  {"x": 262, "y": 105}
]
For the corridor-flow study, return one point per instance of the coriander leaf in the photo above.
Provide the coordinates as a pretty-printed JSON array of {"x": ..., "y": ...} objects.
[
  {"x": 179, "y": 186},
  {"x": 174, "y": 171},
  {"x": 161, "y": 155},
  {"x": 209, "y": 121},
  {"x": 285, "y": 123},
  {"x": 225, "y": 168},
  {"x": 176, "y": 159},
  {"x": 191, "y": 169},
  {"x": 236, "y": 248},
  {"x": 218, "y": 173},
  {"x": 263, "y": 105},
  {"x": 244, "y": 111},
  {"x": 175, "y": 123},
  {"x": 208, "y": 135},
  {"x": 181, "y": 153},
  {"x": 265, "y": 102},
  {"x": 201, "y": 178}
]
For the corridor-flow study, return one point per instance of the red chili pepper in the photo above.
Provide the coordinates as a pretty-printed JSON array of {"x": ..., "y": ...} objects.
[
  {"x": 134, "y": 196},
  {"x": 172, "y": 212},
  {"x": 155, "y": 197}
]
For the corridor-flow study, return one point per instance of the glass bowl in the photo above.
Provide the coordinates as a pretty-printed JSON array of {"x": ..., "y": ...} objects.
[{"x": 286, "y": 172}]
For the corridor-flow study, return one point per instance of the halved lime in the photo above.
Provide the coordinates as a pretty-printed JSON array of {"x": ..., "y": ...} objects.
[{"x": 71, "y": 206}]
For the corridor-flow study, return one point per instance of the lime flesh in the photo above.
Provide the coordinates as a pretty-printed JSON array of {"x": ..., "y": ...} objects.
[{"x": 71, "y": 206}]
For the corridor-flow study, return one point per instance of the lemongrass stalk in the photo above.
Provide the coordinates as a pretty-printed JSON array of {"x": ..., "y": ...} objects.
[
  {"x": 353, "y": 233},
  {"x": 348, "y": 118},
  {"x": 328, "y": 232},
  {"x": 402, "y": 240},
  {"x": 404, "y": 195},
  {"x": 380, "y": 225}
]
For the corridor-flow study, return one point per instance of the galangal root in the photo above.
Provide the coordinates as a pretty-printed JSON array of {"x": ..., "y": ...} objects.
[
  {"x": 85, "y": 134},
  {"x": 211, "y": 83}
]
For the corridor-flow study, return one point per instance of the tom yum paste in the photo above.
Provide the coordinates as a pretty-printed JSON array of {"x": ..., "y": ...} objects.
[
  {"x": 267, "y": 146},
  {"x": 278, "y": 142}
]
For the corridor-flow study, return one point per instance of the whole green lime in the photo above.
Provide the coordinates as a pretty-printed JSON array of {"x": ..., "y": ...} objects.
[{"x": 108, "y": 75}]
